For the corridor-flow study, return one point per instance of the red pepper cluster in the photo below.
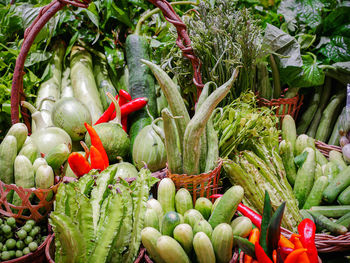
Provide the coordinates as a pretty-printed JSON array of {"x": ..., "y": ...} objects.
[
  {"x": 98, "y": 156},
  {"x": 127, "y": 106},
  {"x": 298, "y": 248}
]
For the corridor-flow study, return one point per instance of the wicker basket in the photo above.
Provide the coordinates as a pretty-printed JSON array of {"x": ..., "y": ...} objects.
[
  {"x": 36, "y": 203},
  {"x": 283, "y": 106},
  {"x": 201, "y": 185}
]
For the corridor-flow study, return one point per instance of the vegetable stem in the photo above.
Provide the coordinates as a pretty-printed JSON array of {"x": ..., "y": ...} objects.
[{"x": 276, "y": 78}]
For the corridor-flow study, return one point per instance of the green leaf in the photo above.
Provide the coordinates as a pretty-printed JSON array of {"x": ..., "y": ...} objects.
[
  {"x": 274, "y": 229},
  {"x": 267, "y": 213},
  {"x": 305, "y": 40},
  {"x": 121, "y": 15},
  {"x": 36, "y": 57},
  {"x": 246, "y": 246},
  {"x": 309, "y": 12},
  {"x": 340, "y": 71},
  {"x": 300, "y": 159},
  {"x": 338, "y": 17},
  {"x": 337, "y": 50}
]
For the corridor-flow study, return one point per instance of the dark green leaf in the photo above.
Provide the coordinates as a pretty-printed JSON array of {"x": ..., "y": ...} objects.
[
  {"x": 267, "y": 213},
  {"x": 337, "y": 50},
  {"x": 36, "y": 57},
  {"x": 300, "y": 159},
  {"x": 305, "y": 40},
  {"x": 121, "y": 15},
  {"x": 274, "y": 229},
  {"x": 340, "y": 71},
  {"x": 309, "y": 12},
  {"x": 338, "y": 17}
]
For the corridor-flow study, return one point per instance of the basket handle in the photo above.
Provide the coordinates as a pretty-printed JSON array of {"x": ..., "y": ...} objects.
[
  {"x": 30, "y": 33},
  {"x": 183, "y": 40}
]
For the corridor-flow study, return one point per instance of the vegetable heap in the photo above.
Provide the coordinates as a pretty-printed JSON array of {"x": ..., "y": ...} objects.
[
  {"x": 17, "y": 240},
  {"x": 100, "y": 217}
]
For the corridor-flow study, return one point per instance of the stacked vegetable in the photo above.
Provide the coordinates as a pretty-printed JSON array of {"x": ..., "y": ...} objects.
[
  {"x": 315, "y": 180},
  {"x": 248, "y": 135},
  {"x": 344, "y": 127},
  {"x": 100, "y": 217},
  {"x": 17, "y": 240},
  {"x": 177, "y": 231}
]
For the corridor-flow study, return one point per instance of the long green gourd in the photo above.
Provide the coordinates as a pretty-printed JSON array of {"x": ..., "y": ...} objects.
[
  {"x": 8, "y": 153},
  {"x": 197, "y": 125},
  {"x": 173, "y": 96}
]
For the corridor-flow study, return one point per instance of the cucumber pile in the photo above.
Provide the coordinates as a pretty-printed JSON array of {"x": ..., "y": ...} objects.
[
  {"x": 317, "y": 182},
  {"x": 18, "y": 240},
  {"x": 202, "y": 232}
]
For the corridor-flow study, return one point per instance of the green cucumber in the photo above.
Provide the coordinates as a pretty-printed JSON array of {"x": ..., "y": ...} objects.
[
  {"x": 184, "y": 235},
  {"x": 337, "y": 158},
  {"x": 315, "y": 196},
  {"x": 171, "y": 251},
  {"x": 215, "y": 204},
  {"x": 318, "y": 171},
  {"x": 31, "y": 151},
  {"x": 212, "y": 145},
  {"x": 24, "y": 176},
  {"x": 169, "y": 222},
  {"x": 149, "y": 237},
  {"x": 300, "y": 144},
  {"x": 227, "y": 206},
  {"x": 157, "y": 207},
  {"x": 222, "y": 240},
  {"x": 38, "y": 162},
  {"x": 320, "y": 158},
  {"x": 324, "y": 222},
  {"x": 344, "y": 220},
  {"x": 310, "y": 112},
  {"x": 337, "y": 185},
  {"x": 334, "y": 211},
  {"x": 8, "y": 153},
  {"x": 203, "y": 226},
  {"x": 286, "y": 152},
  {"x": 192, "y": 217},
  {"x": 166, "y": 195},
  {"x": 329, "y": 117},
  {"x": 289, "y": 133},
  {"x": 183, "y": 201},
  {"x": 330, "y": 170},
  {"x": 57, "y": 156},
  {"x": 44, "y": 177},
  {"x": 305, "y": 177},
  {"x": 203, "y": 248},
  {"x": 141, "y": 83},
  {"x": 344, "y": 197},
  {"x": 20, "y": 131},
  {"x": 204, "y": 206},
  {"x": 151, "y": 218},
  {"x": 335, "y": 137},
  {"x": 241, "y": 226}
]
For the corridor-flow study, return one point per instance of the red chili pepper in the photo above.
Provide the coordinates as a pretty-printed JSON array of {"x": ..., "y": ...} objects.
[
  {"x": 307, "y": 230},
  {"x": 96, "y": 158},
  {"x": 106, "y": 116},
  {"x": 131, "y": 106},
  {"x": 261, "y": 255},
  {"x": 294, "y": 257},
  {"x": 96, "y": 142},
  {"x": 78, "y": 164},
  {"x": 125, "y": 123},
  {"x": 124, "y": 97}
]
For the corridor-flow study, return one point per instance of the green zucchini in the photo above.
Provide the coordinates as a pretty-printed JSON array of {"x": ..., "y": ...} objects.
[
  {"x": 289, "y": 133},
  {"x": 203, "y": 248},
  {"x": 149, "y": 237},
  {"x": 344, "y": 197},
  {"x": 30, "y": 151},
  {"x": 154, "y": 204},
  {"x": 318, "y": 172},
  {"x": 212, "y": 145},
  {"x": 24, "y": 176},
  {"x": 320, "y": 158},
  {"x": 151, "y": 218},
  {"x": 192, "y": 217},
  {"x": 8, "y": 153},
  {"x": 241, "y": 226},
  {"x": 344, "y": 220},
  {"x": 227, "y": 206},
  {"x": 38, "y": 162},
  {"x": 337, "y": 158},
  {"x": 335, "y": 137},
  {"x": 334, "y": 211},
  {"x": 171, "y": 251},
  {"x": 183, "y": 201},
  {"x": 141, "y": 83},
  {"x": 337, "y": 185},
  {"x": 204, "y": 205},
  {"x": 324, "y": 222},
  {"x": 20, "y": 131},
  {"x": 57, "y": 156},
  {"x": 44, "y": 177},
  {"x": 329, "y": 117},
  {"x": 166, "y": 195},
  {"x": 184, "y": 235},
  {"x": 300, "y": 144},
  {"x": 203, "y": 226},
  {"x": 330, "y": 170},
  {"x": 286, "y": 152},
  {"x": 315, "y": 196},
  {"x": 305, "y": 177},
  {"x": 222, "y": 240},
  {"x": 309, "y": 114}
]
